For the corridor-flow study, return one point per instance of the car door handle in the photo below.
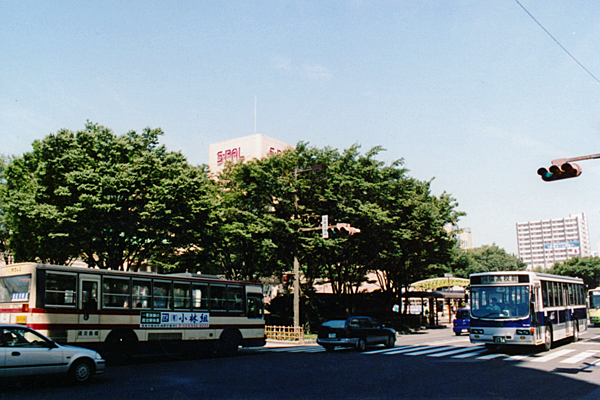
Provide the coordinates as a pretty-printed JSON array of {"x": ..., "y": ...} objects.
[{"x": 15, "y": 353}]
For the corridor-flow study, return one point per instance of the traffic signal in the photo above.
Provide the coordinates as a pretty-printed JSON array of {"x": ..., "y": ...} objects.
[
  {"x": 555, "y": 172},
  {"x": 341, "y": 230},
  {"x": 287, "y": 279}
]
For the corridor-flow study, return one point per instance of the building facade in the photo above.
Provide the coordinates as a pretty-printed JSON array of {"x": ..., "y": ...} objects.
[
  {"x": 542, "y": 243},
  {"x": 242, "y": 149}
]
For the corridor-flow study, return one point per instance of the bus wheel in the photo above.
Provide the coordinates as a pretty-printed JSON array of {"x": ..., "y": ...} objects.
[
  {"x": 228, "y": 343},
  {"x": 120, "y": 346},
  {"x": 575, "y": 330},
  {"x": 548, "y": 338}
]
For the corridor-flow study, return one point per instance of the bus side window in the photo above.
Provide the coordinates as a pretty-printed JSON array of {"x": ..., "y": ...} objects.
[
  {"x": 218, "y": 301},
  {"x": 200, "y": 296},
  {"x": 162, "y": 294},
  {"x": 141, "y": 293},
  {"x": 545, "y": 293},
  {"x": 60, "y": 289}
]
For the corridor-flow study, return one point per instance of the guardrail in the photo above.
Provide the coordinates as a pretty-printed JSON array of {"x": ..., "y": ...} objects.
[{"x": 284, "y": 333}]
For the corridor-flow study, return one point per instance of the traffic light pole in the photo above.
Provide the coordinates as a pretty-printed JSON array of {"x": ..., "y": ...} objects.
[{"x": 561, "y": 161}]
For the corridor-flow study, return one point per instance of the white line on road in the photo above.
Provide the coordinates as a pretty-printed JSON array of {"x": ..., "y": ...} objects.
[
  {"x": 579, "y": 357},
  {"x": 551, "y": 356}
]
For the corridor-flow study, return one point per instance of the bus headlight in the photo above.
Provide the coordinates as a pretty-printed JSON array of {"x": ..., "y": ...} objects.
[
  {"x": 477, "y": 331},
  {"x": 523, "y": 332}
]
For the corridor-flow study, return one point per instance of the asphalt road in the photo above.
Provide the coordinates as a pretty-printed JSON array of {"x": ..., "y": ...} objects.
[{"x": 433, "y": 365}]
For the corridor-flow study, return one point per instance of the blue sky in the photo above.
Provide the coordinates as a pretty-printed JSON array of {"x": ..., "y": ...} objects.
[{"x": 472, "y": 93}]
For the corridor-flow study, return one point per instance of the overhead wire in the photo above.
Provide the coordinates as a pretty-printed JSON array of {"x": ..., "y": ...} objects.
[{"x": 557, "y": 42}]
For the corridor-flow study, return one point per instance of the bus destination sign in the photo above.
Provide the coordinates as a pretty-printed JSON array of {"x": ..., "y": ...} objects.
[
  {"x": 500, "y": 279},
  {"x": 165, "y": 319}
]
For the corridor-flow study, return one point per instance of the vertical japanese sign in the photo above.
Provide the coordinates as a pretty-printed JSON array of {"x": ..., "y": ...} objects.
[{"x": 325, "y": 226}]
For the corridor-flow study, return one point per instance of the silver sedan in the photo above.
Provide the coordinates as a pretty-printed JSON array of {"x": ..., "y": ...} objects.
[{"x": 25, "y": 352}]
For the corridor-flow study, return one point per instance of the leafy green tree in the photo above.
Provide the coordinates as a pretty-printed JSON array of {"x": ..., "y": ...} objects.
[
  {"x": 269, "y": 203},
  {"x": 484, "y": 259},
  {"x": 586, "y": 268},
  {"x": 115, "y": 201}
]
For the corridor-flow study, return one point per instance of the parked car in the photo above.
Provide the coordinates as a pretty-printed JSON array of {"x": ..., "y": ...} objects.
[
  {"x": 462, "y": 321},
  {"x": 26, "y": 352},
  {"x": 357, "y": 332}
]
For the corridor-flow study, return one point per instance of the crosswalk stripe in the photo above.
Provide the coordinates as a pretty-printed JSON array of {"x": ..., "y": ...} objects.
[
  {"x": 431, "y": 350},
  {"x": 471, "y": 354},
  {"x": 406, "y": 350},
  {"x": 551, "y": 356},
  {"x": 517, "y": 358},
  {"x": 490, "y": 356},
  {"x": 451, "y": 352},
  {"x": 386, "y": 350},
  {"x": 579, "y": 357}
]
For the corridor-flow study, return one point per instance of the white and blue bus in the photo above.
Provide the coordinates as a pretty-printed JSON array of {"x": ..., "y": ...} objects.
[{"x": 526, "y": 308}]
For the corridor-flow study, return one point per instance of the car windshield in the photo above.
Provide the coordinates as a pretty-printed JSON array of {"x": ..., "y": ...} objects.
[
  {"x": 500, "y": 302},
  {"x": 463, "y": 314},
  {"x": 338, "y": 323}
]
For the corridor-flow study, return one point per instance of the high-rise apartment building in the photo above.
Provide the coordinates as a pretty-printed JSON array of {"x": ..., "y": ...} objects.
[{"x": 542, "y": 243}]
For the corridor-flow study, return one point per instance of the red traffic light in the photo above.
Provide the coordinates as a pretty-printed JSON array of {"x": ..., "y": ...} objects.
[{"x": 554, "y": 173}]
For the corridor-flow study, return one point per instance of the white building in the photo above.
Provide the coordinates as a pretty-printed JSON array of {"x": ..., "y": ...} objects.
[
  {"x": 243, "y": 148},
  {"x": 542, "y": 243},
  {"x": 462, "y": 235}
]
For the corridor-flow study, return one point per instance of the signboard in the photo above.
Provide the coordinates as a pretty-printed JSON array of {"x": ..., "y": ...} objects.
[
  {"x": 243, "y": 149},
  {"x": 563, "y": 245},
  {"x": 170, "y": 319},
  {"x": 324, "y": 226},
  {"x": 500, "y": 279}
]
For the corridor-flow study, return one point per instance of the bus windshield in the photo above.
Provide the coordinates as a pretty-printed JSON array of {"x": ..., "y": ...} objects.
[
  {"x": 14, "y": 288},
  {"x": 500, "y": 302},
  {"x": 595, "y": 299}
]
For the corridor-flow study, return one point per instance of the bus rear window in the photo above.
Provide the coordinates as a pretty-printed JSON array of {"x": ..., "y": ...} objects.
[{"x": 15, "y": 288}]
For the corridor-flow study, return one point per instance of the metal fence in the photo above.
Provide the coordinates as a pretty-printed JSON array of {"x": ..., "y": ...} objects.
[{"x": 285, "y": 333}]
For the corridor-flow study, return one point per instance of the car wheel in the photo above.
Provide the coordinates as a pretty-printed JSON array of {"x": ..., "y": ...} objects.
[
  {"x": 329, "y": 347},
  {"x": 81, "y": 371},
  {"x": 361, "y": 345},
  {"x": 457, "y": 333},
  {"x": 391, "y": 341}
]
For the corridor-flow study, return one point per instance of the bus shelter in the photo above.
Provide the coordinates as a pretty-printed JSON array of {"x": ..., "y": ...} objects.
[{"x": 431, "y": 297}]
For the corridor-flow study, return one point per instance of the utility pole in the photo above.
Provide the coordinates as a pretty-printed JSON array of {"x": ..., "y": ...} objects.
[{"x": 296, "y": 286}]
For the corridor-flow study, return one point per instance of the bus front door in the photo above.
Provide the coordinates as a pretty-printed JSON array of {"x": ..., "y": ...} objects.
[{"x": 89, "y": 304}]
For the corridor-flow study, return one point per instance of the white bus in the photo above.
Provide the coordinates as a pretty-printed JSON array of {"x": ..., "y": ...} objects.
[
  {"x": 526, "y": 308},
  {"x": 123, "y": 313}
]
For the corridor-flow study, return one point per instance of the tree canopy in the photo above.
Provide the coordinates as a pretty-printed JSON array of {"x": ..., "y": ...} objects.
[
  {"x": 586, "y": 268},
  {"x": 483, "y": 259},
  {"x": 271, "y": 201},
  {"x": 126, "y": 202},
  {"x": 110, "y": 200}
]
